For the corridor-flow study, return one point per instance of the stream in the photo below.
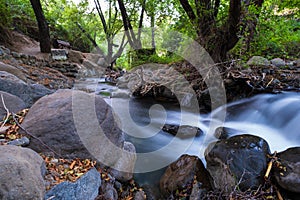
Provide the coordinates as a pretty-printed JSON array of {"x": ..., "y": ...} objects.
[{"x": 274, "y": 117}]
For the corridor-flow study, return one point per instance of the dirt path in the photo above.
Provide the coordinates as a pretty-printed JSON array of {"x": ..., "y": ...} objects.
[{"x": 24, "y": 44}]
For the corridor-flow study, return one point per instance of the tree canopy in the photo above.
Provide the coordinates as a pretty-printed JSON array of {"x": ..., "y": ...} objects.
[{"x": 225, "y": 28}]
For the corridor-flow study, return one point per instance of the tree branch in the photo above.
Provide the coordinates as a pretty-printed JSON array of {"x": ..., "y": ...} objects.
[{"x": 189, "y": 10}]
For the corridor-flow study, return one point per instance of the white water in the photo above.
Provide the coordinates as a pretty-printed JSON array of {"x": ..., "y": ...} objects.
[{"x": 276, "y": 118}]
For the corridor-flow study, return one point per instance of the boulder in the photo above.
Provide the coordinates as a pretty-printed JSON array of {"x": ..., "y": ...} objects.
[
  {"x": 75, "y": 56},
  {"x": 68, "y": 122},
  {"x": 29, "y": 93},
  {"x": 182, "y": 173},
  {"x": 288, "y": 177},
  {"x": 12, "y": 70},
  {"x": 239, "y": 161},
  {"x": 183, "y": 131},
  {"x": 258, "y": 61},
  {"x": 85, "y": 188},
  {"x": 12, "y": 103},
  {"x": 278, "y": 62},
  {"x": 126, "y": 163},
  {"x": 4, "y": 75},
  {"x": 21, "y": 173},
  {"x": 92, "y": 69}
]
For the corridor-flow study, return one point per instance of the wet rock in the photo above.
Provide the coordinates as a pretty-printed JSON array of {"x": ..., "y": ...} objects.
[
  {"x": 12, "y": 70},
  {"x": 67, "y": 122},
  {"x": 182, "y": 173},
  {"x": 258, "y": 61},
  {"x": 183, "y": 131},
  {"x": 12, "y": 103},
  {"x": 23, "y": 141},
  {"x": 29, "y": 93},
  {"x": 239, "y": 161},
  {"x": 108, "y": 192},
  {"x": 21, "y": 173},
  {"x": 120, "y": 94},
  {"x": 289, "y": 178},
  {"x": 225, "y": 132},
  {"x": 278, "y": 62},
  {"x": 85, "y": 188},
  {"x": 125, "y": 163}
]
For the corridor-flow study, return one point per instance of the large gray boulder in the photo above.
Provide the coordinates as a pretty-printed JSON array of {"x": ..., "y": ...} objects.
[
  {"x": 85, "y": 188},
  {"x": 11, "y": 102},
  {"x": 12, "y": 70},
  {"x": 288, "y": 177},
  {"x": 181, "y": 173},
  {"x": 239, "y": 161},
  {"x": 29, "y": 93},
  {"x": 21, "y": 174},
  {"x": 70, "y": 123}
]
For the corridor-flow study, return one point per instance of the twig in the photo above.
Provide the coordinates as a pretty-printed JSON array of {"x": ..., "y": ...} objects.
[
  {"x": 31, "y": 135},
  {"x": 279, "y": 195},
  {"x": 270, "y": 82},
  {"x": 270, "y": 164},
  {"x": 7, "y": 111}
]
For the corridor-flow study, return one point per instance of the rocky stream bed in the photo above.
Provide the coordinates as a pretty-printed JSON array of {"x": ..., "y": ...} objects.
[{"x": 47, "y": 151}]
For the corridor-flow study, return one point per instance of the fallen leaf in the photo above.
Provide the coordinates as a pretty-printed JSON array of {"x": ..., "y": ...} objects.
[{"x": 3, "y": 129}]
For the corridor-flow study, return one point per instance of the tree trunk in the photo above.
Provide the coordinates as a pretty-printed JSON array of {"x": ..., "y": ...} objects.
[
  {"x": 44, "y": 36},
  {"x": 217, "y": 40},
  {"x": 152, "y": 31}
]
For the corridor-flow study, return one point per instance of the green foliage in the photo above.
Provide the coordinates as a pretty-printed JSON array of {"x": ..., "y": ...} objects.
[
  {"x": 277, "y": 33},
  {"x": 63, "y": 17},
  {"x": 132, "y": 60}
]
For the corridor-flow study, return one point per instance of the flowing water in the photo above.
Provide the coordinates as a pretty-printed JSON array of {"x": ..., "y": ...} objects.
[{"x": 274, "y": 117}]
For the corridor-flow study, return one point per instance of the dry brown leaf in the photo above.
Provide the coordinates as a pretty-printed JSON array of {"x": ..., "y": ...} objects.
[{"x": 4, "y": 129}]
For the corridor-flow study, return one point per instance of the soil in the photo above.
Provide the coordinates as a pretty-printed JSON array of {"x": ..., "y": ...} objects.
[{"x": 21, "y": 43}]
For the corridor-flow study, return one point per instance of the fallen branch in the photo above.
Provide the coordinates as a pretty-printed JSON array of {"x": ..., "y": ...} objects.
[{"x": 7, "y": 112}]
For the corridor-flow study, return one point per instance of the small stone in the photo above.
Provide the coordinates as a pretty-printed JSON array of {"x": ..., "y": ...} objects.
[
  {"x": 23, "y": 141},
  {"x": 258, "y": 61},
  {"x": 59, "y": 54},
  {"x": 108, "y": 192},
  {"x": 278, "y": 62},
  {"x": 15, "y": 54},
  {"x": 140, "y": 195}
]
